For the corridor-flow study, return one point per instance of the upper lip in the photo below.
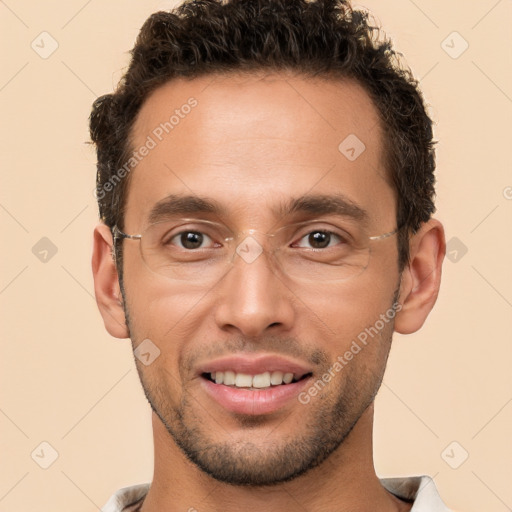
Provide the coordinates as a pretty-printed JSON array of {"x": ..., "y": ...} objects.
[{"x": 255, "y": 365}]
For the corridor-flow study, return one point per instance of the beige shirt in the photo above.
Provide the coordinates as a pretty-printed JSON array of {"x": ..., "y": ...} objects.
[{"x": 418, "y": 489}]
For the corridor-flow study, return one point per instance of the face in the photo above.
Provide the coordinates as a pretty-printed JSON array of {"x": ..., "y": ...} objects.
[{"x": 255, "y": 155}]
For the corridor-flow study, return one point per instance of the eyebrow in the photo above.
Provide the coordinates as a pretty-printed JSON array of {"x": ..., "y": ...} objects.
[
  {"x": 182, "y": 205},
  {"x": 323, "y": 204},
  {"x": 319, "y": 204}
]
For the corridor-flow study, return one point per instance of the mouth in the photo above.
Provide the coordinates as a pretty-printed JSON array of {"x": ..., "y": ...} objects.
[{"x": 254, "y": 386}]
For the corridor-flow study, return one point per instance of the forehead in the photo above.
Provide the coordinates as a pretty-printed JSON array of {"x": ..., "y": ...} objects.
[{"x": 251, "y": 141}]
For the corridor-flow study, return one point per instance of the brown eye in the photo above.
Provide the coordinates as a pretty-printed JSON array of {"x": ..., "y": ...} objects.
[
  {"x": 319, "y": 239},
  {"x": 190, "y": 240}
]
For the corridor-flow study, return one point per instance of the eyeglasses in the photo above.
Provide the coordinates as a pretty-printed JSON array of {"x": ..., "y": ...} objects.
[{"x": 202, "y": 251}]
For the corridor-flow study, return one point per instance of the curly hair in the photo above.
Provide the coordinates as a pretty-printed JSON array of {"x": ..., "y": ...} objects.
[{"x": 317, "y": 38}]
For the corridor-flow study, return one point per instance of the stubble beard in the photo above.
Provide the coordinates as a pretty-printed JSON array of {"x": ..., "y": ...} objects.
[{"x": 324, "y": 426}]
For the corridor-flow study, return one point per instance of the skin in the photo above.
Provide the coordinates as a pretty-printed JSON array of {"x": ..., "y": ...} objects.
[{"x": 252, "y": 142}]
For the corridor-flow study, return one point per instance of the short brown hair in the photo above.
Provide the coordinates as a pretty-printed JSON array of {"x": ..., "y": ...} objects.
[{"x": 324, "y": 38}]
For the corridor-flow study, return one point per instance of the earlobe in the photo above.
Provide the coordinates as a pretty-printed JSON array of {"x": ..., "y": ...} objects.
[
  {"x": 106, "y": 283},
  {"x": 421, "y": 279}
]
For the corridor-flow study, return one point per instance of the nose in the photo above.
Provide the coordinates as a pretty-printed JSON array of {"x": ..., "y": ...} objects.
[{"x": 252, "y": 297}]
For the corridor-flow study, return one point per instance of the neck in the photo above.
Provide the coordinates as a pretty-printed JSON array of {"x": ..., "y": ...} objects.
[{"x": 346, "y": 481}]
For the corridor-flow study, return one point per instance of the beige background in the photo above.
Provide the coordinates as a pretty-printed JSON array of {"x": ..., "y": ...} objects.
[{"x": 65, "y": 381}]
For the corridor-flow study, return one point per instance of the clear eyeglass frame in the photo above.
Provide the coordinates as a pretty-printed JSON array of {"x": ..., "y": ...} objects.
[{"x": 348, "y": 260}]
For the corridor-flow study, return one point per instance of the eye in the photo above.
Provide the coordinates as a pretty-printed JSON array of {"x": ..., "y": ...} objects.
[
  {"x": 191, "y": 240},
  {"x": 320, "y": 239}
]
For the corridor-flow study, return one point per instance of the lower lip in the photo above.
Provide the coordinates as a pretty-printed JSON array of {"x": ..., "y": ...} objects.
[{"x": 254, "y": 402}]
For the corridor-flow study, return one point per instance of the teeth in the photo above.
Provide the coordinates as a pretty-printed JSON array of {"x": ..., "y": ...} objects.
[
  {"x": 244, "y": 380},
  {"x": 276, "y": 378},
  {"x": 287, "y": 378},
  {"x": 261, "y": 380},
  {"x": 229, "y": 378}
]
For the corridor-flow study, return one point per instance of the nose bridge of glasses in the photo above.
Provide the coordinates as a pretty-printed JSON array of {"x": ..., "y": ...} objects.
[{"x": 250, "y": 244}]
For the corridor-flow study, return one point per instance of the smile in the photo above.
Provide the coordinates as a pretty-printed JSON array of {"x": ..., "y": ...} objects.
[{"x": 254, "y": 384}]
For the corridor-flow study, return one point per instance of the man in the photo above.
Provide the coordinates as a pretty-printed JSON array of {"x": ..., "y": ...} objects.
[{"x": 265, "y": 184}]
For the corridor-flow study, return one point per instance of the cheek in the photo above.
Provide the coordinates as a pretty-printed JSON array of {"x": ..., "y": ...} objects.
[
  {"x": 345, "y": 307},
  {"x": 159, "y": 308},
  {"x": 354, "y": 317}
]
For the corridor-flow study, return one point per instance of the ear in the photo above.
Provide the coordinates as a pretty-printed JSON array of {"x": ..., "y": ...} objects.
[
  {"x": 421, "y": 278},
  {"x": 106, "y": 283}
]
